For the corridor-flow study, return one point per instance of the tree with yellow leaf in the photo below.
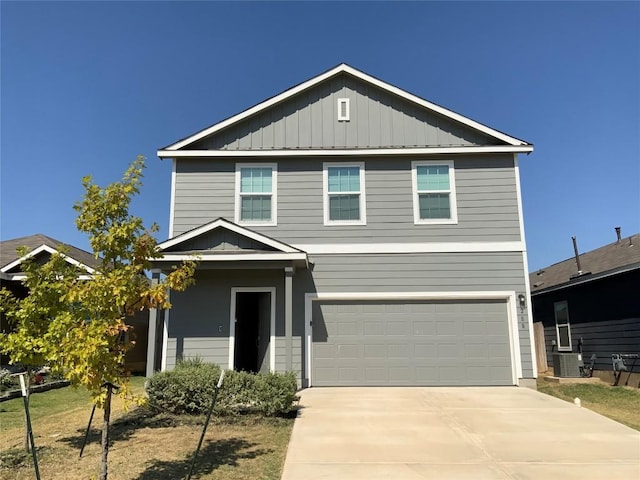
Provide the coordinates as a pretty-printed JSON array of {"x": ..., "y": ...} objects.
[{"x": 82, "y": 324}]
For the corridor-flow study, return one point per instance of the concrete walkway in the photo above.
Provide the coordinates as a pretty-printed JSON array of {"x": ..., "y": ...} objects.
[{"x": 454, "y": 433}]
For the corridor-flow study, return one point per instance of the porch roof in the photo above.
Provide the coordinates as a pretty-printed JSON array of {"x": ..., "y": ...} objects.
[{"x": 210, "y": 243}]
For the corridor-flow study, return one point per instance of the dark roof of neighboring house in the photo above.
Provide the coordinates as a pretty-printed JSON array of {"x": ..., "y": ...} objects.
[
  {"x": 617, "y": 257},
  {"x": 8, "y": 249}
]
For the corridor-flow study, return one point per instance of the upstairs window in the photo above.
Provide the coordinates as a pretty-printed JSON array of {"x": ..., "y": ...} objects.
[
  {"x": 434, "y": 199},
  {"x": 256, "y": 194},
  {"x": 563, "y": 327},
  {"x": 344, "y": 199}
]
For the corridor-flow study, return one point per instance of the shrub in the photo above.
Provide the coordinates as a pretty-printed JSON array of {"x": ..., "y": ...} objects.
[
  {"x": 189, "y": 388},
  {"x": 185, "y": 389},
  {"x": 6, "y": 380}
]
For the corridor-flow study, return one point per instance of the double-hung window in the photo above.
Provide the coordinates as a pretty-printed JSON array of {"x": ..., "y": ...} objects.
[
  {"x": 434, "y": 193},
  {"x": 563, "y": 327},
  {"x": 344, "y": 194},
  {"x": 256, "y": 201}
]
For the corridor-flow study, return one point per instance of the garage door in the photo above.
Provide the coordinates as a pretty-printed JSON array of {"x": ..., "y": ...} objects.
[{"x": 358, "y": 343}]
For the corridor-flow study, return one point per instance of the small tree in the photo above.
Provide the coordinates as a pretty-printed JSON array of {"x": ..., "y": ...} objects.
[
  {"x": 28, "y": 319},
  {"x": 84, "y": 333}
]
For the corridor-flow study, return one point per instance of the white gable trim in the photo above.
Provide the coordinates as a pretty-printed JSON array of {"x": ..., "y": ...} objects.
[
  {"x": 222, "y": 223},
  {"x": 51, "y": 250},
  {"x": 346, "y": 152},
  {"x": 362, "y": 76},
  {"x": 231, "y": 257}
]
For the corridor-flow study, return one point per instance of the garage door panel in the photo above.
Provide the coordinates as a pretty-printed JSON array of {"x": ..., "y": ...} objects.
[
  {"x": 448, "y": 325},
  {"x": 398, "y": 328},
  {"x": 422, "y": 327},
  {"x": 425, "y": 350},
  {"x": 375, "y": 351},
  {"x": 374, "y": 327},
  {"x": 411, "y": 343},
  {"x": 348, "y": 327}
]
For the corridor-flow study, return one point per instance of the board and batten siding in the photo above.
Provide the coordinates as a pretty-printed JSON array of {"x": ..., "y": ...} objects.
[
  {"x": 485, "y": 190},
  {"x": 378, "y": 119}
]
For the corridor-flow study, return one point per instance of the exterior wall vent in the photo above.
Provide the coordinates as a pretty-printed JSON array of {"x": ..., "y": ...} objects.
[{"x": 343, "y": 109}]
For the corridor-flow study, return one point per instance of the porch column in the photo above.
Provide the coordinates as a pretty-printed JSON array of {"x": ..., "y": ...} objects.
[
  {"x": 288, "y": 317},
  {"x": 153, "y": 328}
]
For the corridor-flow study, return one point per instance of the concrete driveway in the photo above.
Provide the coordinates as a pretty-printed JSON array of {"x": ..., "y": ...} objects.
[{"x": 455, "y": 433}]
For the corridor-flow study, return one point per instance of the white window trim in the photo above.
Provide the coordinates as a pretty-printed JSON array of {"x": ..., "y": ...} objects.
[
  {"x": 568, "y": 324},
  {"x": 274, "y": 194},
  {"x": 325, "y": 194},
  {"x": 343, "y": 118},
  {"x": 452, "y": 193}
]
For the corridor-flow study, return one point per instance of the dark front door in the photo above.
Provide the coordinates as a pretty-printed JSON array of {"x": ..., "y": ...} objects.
[{"x": 253, "y": 314}]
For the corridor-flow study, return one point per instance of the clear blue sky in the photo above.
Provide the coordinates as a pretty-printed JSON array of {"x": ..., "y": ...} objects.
[{"x": 86, "y": 86}]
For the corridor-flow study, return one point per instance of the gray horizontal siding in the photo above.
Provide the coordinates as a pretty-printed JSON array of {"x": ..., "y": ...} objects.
[
  {"x": 485, "y": 190},
  {"x": 434, "y": 272},
  {"x": 310, "y": 120},
  {"x": 603, "y": 338},
  {"x": 418, "y": 272},
  {"x": 296, "y": 350},
  {"x": 208, "y": 349},
  {"x": 199, "y": 319}
]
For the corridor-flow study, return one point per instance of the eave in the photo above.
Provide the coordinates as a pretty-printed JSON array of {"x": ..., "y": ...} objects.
[
  {"x": 587, "y": 279},
  {"x": 45, "y": 248},
  {"x": 369, "y": 152}
]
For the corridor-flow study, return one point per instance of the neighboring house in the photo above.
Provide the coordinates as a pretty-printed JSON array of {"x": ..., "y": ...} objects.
[
  {"x": 41, "y": 248},
  {"x": 353, "y": 233},
  {"x": 596, "y": 300}
]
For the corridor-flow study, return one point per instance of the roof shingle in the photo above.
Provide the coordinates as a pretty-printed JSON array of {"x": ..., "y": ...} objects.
[
  {"x": 8, "y": 249},
  {"x": 617, "y": 256}
]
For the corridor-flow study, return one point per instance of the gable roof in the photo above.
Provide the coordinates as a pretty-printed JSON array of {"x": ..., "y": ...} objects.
[
  {"x": 221, "y": 223},
  {"x": 615, "y": 258},
  {"x": 176, "y": 149},
  {"x": 38, "y": 243}
]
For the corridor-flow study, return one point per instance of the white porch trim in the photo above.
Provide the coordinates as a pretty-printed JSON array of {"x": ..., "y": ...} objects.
[
  {"x": 222, "y": 223},
  {"x": 230, "y": 257}
]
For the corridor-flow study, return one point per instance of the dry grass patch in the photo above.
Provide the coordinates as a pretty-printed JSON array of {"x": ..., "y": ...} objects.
[
  {"x": 146, "y": 446},
  {"x": 621, "y": 404}
]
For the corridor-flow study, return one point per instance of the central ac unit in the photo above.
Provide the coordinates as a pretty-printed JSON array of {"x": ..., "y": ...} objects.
[{"x": 566, "y": 365}]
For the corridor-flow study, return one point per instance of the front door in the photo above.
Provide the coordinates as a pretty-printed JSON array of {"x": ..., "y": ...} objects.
[{"x": 252, "y": 331}]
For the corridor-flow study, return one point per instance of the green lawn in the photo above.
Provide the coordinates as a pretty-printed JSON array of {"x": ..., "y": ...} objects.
[
  {"x": 621, "y": 404},
  {"x": 50, "y": 403},
  {"x": 145, "y": 445}
]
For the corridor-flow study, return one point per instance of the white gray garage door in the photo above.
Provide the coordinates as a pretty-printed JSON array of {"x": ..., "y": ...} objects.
[{"x": 357, "y": 343}]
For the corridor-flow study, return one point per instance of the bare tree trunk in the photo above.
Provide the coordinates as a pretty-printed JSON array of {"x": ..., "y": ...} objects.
[
  {"x": 27, "y": 442},
  {"x": 105, "y": 434}
]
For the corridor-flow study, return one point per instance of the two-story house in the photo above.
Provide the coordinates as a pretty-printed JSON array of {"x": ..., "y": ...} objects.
[{"x": 353, "y": 233}]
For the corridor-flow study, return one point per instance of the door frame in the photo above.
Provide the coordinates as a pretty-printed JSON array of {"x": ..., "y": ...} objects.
[
  {"x": 508, "y": 296},
  {"x": 272, "y": 323}
]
